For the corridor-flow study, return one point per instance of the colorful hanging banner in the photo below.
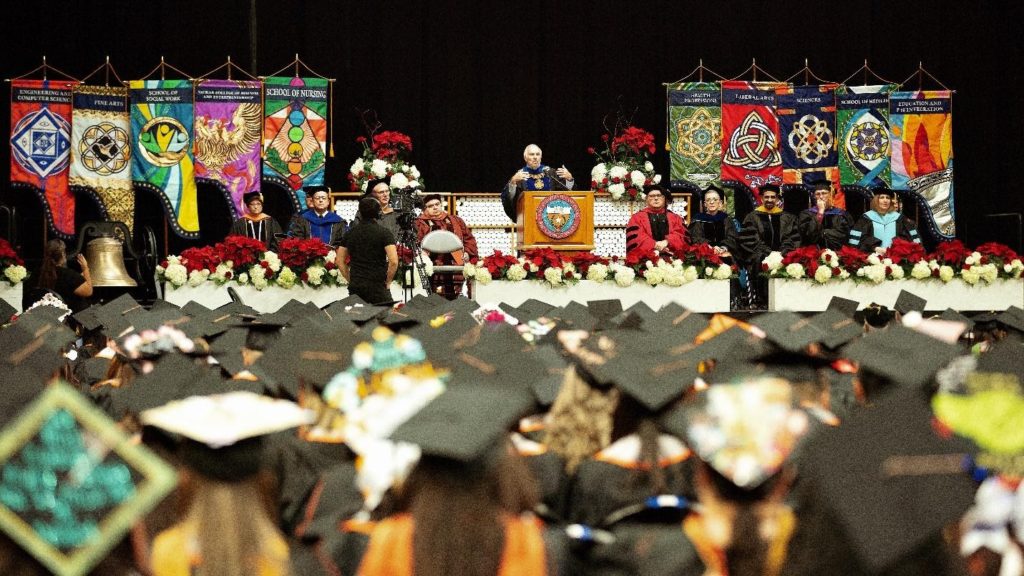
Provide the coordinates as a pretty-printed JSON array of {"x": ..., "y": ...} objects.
[
  {"x": 41, "y": 146},
  {"x": 162, "y": 122},
  {"x": 228, "y": 133},
  {"x": 295, "y": 132},
  {"x": 921, "y": 128},
  {"x": 101, "y": 150},
  {"x": 807, "y": 124},
  {"x": 863, "y": 120},
  {"x": 695, "y": 132},
  {"x": 750, "y": 134}
]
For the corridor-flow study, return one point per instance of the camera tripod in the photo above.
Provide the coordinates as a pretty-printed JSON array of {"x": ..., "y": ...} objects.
[{"x": 408, "y": 238}]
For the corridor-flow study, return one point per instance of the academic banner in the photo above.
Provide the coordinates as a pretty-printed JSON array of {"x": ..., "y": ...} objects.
[
  {"x": 921, "y": 130},
  {"x": 295, "y": 132},
  {"x": 101, "y": 149},
  {"x": 162, "y": 122},
  {"x": 750, "y": 134},
  {"x": 41, "y": 146},
  {"x": 807, "y": 124},
  {"x": 695, "y": 132},
  {"x": 228, "y": 131},
  {"x": 863, "y": 120}
]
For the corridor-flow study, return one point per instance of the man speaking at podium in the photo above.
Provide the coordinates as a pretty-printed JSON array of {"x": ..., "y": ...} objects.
[{"x": 533, "y": 176}]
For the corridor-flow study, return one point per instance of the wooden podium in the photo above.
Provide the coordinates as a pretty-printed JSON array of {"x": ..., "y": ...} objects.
[{"x": 557, "y": 219}]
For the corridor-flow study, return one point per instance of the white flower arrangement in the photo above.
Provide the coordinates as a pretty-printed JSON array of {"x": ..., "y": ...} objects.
[
  {"x": 946, "y": 273},
  {"x": 286, "y": 277},
  {"x": 515, "y": 273},
  {"x": 773, "y": 261},
  {"x": 483, "y": 276},
  {"x": 795, "y": 270},
  {"x": 315, "y": 275},
  {"x": 15, "y": 274},
  {"x": 597, "y": 272},
  {"x": 921, "y": 270},
  {"x": 822, "y": 274},
  {"x": 553, "y": 276},
  {"x": 624, "y": 275},
  {"x": 724, "y": 272}
]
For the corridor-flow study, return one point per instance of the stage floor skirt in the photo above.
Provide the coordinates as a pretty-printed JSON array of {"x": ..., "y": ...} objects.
[
  {"x": 810, "y": 296},
  {"x": 699, "y": 295},
  {"x": 12, "y": 294},
  {"x": 265, "y": 301}
]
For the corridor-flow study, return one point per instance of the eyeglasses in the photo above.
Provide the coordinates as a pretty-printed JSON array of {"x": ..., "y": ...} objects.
[
  {"x": 712, "y": 201},
  {"x": 433, "y": 205},
  {"x": 319, "y": 197}
]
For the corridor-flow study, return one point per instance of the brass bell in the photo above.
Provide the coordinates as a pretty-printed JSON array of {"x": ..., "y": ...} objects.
[{"x": 105, "y": 256}]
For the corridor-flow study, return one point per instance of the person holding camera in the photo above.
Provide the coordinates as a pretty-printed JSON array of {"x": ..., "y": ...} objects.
[
  {"x": 367, "y": 256},
  {"x": 380, "y": 191},
  {"x": 433, "y": 218}
]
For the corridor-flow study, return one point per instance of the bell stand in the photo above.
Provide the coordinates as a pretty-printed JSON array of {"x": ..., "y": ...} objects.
[
  {"x": 229, "y": 65},
  {"x": 44, "y": 67},
  {"x": 921, "y": 73}
]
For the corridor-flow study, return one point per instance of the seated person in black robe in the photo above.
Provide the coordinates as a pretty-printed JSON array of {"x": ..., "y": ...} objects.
[
  {"x": 824, "y": 225},
  {"x": 255, "y": 223},
  {"x": 768, "y": 229},
  {"x": 714, "y": 226},
  {"x": 879, "y": 226}
]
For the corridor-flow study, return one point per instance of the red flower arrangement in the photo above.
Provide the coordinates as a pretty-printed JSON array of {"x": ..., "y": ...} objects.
[
  {"x": 807, "y": 256},
  {"x": 852, "y": 259},
  {"x": 700, "y": 255},
  {"x": 8, "y": 257},
  {"x": 952, "y": 253},
  {"x": 633, "y": 140},
  {"x": 242, "y": 251},
  {"x": 199, "y": 258},
  {"x": 904, "y": 252},
  {"x": 300, "y": 253},
  {"x": 584, "y": 260},
  {"x": 623, "y": 168},
  {"x": 391, "y": 145}
]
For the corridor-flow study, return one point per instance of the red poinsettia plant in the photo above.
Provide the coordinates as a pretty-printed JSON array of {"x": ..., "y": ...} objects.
[
  {"x": 700, "y": 255},
  {"x": 301, "y": 253},
  {"x": 242, "y": 251},
  {"x": 905, "y": 252},
  {"x": 385, "y": 156},
  {"x": 582, "y": 261},
  {"x": 391, "y": 145},
  {"x": 12, "y": 267},
  {"x": 198, "y": 258}
]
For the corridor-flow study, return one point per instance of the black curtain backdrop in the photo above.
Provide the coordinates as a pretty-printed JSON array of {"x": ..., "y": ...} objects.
[{"x": 474, "y": 82}]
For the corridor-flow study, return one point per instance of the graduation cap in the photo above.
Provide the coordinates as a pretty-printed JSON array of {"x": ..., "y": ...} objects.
[
  {"x": 744, "y": 430},
  {"x": 101, "y": 482},
  {"x": 904, "y": 356},
  {"x": 909, "y": 302},
  {"x": 843, "y": 305},
  {"x": 883, "y": 191},
  {"x": 465, "y": 423},
  {"x": 113, "y": 315},
  {"x": 953, "y": 316},
  {"x": 1011, "y": 319},
  {"x": 88, "y": 318},
  {"x": 877, "y": 316},
  {"x": 788, "y": 330},
  {"x": 770, "y": 187},
  {"x": 819, "y": 184},
  {"x": 224, "y": 431},
  {"x": 6, "y": 311},
  {"x": 533, "y": 308},
  {"x": 836, "y": 328},
  {"x": 36, "y": 344},
  {"x": 891, "y": 480},
  {"x": 358, "y": 313}
]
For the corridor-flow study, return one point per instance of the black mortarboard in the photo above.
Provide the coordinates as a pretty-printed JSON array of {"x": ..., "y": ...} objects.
[
  {"x": 549, "y": 384},
  {"x": 909, "y": 302},
  {"x": 89, "y": 318},
  {"x": 574, "y": 313},
  {"x": 665, "y": 190},
  {"x": 844, "y": 305},
  {"x": 464, "y": 423},
  {"x": 766, "y": 187},
  {"x": 713, "y": 188},
  {"x": 113, "y": 315},
  {"x": 193, "y": 308},
  {"x": 882, "y": 191},
  {"x": 22, "y": 385},
  {"x": 954, "y": 316},
  {"x": 6, "y": 311},
  {"x": 819, "y": 184},
  {"x": 1011, "y": 319},
  {"x": 36, "y": 344},
  {"x": 788, "y": 330},
  {"x": 253, "y": 195},
  {"x": 533, "y": 308},
  {"x": 309, "y": 356},
  {"x": 227, "y": 349},
  {"x": 358, "y": 314},
  {"x": 890, "y": 479},
  {"x": 91, "y": 370},
  {"x": 836, "y": 328},
  {"x": 673, "y": 319},
  {"x": 603, "y": 309},
  {"x": 905, "y": 356}
]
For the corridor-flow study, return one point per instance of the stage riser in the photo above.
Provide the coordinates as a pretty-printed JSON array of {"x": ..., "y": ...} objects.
[
  {"x": 809, "y": 296},
  {"x": 699, "y": 295}
]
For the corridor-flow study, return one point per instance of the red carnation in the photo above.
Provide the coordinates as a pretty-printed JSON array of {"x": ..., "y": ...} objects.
[
  {"x": 591, "y": 150},
  {"x": 361, "y": 139}
]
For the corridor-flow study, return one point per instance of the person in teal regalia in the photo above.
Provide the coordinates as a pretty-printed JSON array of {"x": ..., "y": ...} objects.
[
  {"x": 879, "y": 226},
  {"x": 533, "y": 176}
]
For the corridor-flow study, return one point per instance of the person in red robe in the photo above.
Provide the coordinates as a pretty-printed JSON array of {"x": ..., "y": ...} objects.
[
  {"x": 655, "y": 228},
  {"x": 433, "y": 218}
]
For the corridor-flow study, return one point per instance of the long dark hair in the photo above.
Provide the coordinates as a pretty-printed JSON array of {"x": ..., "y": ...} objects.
[
  {"x": 457, "y": 512},
  {"x": 53, "y": 258}
]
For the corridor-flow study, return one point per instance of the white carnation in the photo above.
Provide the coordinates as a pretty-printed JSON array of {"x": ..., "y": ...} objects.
[
  {"x": 243, "y": 278},
  {"x": 896, "y": 272},
  {"x": 921, "y": 270},
  {"x": 673, "y": 276},
  {"x": 844, "y": 273},
  {"x": 773, "y": 261},
  {"x": 483, "y": 275},
  {"x": 553, "y": 275},
  {"x": 220, "y": 275},
  {"x": 874, "y": 259},
  {"x": 399, "y": 181},
  {"x": 989, "y": 273},
  {"x": 638, "y": 178},
  {"x": 656, "y": 179},
  {"x": 357, "y": 167},
  {"x": 690, "y": 274},
  {"x": 624, "y": 276},
  {"x": 654, "y": 276},
  {"x": 616, "y": 191},
  {"x": 257, "y": 273},
  {"x": 259, "y": 282},
  {"x": 414, "y": 172},
  {"x": 946, "y": 273},
  {"x": 617, "y": 172},
  {"x": 648, "y": 166},
  {"x": 287, "y": 278},
  {"x": 875, "y": 273},
  {"x": 197, "y": 277},
  {"x": 724, "y": 272},
  {"x": 822, "y": 274},
  {"x": 176, "y": 274},
  {"x": 598, "y": 172},
  {"x": 273, "y": 260},
  {"x": 515, "y": 273},
  {"x": 597, "y": 272},
  {"x": 795, "y": 270},
  {"x": 379, "y": 168},
  {"x": 315, "y": 275},
  {"x": 469, "y": 270},
  {"x": 829, "y": 257},
  {"x": 970, "y": 275},
  {"x": 405, "y": 168},
  {"x": 15, "y": 273},
  {"x": 415, "y": 184}
]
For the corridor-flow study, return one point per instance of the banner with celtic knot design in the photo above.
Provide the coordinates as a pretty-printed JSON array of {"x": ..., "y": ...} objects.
[
  {"x": 921, "y": 133},
  {"x": 41, "y": 147},
  {"x": 750, "y": 134},
  {"x": 862, "y": 115},
  {"x": 807, "y": 124},
  {"x": 695, "y": 132},
  {"x": 101, "y": 149}
]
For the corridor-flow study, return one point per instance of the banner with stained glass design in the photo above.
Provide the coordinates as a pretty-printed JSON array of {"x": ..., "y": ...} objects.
[
  {"x": 750, "y": 134},
  {"x": 295, "y": 132},
  {"x": 162, "y": 122},
  {"x": 101, "y": 149},
  {"x": 695, "y": 132},
  {"x": 41, "y": 147},
  {"x": 921, "y": 130},
  {"x": 863, "y": 119},
  {"x": 228, "y": 132}
]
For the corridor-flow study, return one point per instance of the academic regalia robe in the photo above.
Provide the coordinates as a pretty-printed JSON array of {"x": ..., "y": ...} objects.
[
  {"x": 642, "y": 231},
  {"x": 830, "y": 232},
  {"x": 265, "y": 229},
  {"x": 874, "y": 230},
  {"x": 764, "y": 232},
  {"x": 719, "y": 230}
]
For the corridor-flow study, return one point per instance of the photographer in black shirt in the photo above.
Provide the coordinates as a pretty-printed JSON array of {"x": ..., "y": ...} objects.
[{"x": 367, "y": 256}]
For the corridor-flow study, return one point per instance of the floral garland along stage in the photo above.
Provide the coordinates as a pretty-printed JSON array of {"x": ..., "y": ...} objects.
[
  {"x": 624, "y": 168},
  {"x": 245, "y": 260},
  {"x": 385, "y": 156},
  {"x": 697, "y": 262},
  {"x": 903, "y": 259},
  {"x": 11, "y": 264}
]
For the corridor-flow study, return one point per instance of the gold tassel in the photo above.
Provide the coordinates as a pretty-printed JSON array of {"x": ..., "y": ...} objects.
[{"x": 330, "y": 112}]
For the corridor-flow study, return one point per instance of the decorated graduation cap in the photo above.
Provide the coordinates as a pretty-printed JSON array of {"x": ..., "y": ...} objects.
[
  {"x": 890, "y": 478},
  {"x": 904, "y": 356},
  {"x": 744, "y": 430},
  {"x": 73, "y": 483},
  {"x": 223, "y": 432}
]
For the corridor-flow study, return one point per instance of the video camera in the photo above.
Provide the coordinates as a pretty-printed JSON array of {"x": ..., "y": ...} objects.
[{"x": 405, "y": 201}]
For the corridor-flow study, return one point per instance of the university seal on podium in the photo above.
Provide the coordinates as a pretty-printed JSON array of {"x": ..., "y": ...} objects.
[{"x": 558, "y": 216}]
